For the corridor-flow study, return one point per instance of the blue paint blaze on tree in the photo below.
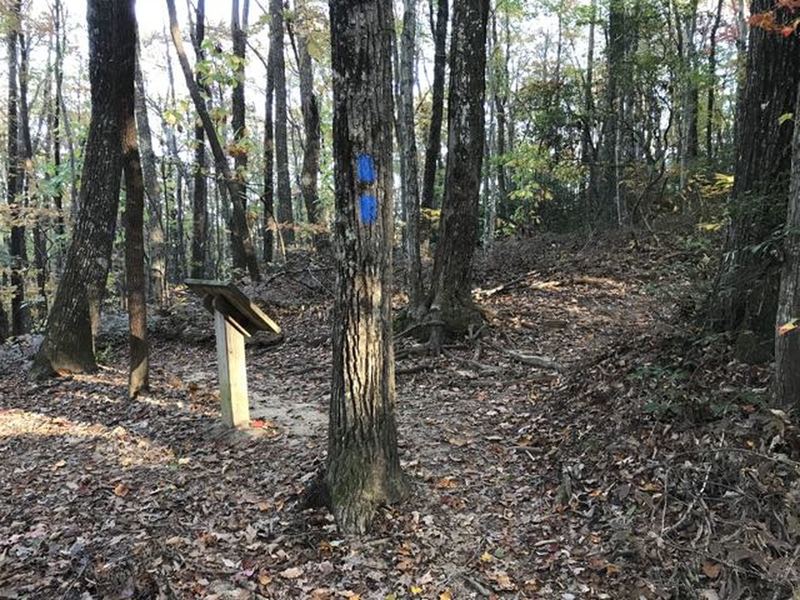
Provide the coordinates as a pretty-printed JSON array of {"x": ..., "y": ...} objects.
[
  {"x": 366, "y": 169},
  {"x": 369, "y": 209}
]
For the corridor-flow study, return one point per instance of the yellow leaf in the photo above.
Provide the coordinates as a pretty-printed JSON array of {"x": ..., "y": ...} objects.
[
  {"x": 446, "y": 595},
  {"x": 416, "y": 590},
  {"x": 486, "y": 557},
  {"x": 787, "y": 328}
]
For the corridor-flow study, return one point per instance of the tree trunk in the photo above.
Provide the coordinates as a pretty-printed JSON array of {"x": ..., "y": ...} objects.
[
  {"x": 451, "y": 299},
  {"x": 434, "y": 146},
  {"x": 363, "y": 469},
  {"x": 138, "y": 375},
  {"x": 158, "y": 258},
  {"x": 268, "y": 195},
  {"x": 408, "y": 156},
  {"x": 285, "y": 214},
  {"x": 238, "y": 109},
  {"x": 241, "y": 243},
  {"x": 500, "y": 92},
  {"x": 200, "y": 193},
  {"x": 787, "y": 345},
  {"x": 311, "y": 130},
  {"x": 712, "y": 82},
  {"x": 27, "y": 172},
  {"x": 588, "y": 153},
  {"x": 68, "y": 344},
  {"x": 19, "y": 313},
  {"x": 746, "y": 291}
]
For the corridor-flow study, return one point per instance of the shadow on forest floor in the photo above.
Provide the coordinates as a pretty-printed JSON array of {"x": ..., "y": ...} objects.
[{"x": 648, "y": 466}]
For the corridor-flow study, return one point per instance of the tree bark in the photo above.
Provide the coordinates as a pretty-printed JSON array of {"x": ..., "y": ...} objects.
[
  {"x": 787, "y": 345},
  {"x": 312, "y": 136},
  {"x": 434, "y": 146},
  {"x": 68, "y": 344},
  {"x": 285, "y": 213},
  {"x": 239, "y": 21},
  {"x": 451, "y": 299},
  {"x": 712, "y": 82},
  {"x": 268, "y": 195},
  {"x": 363, "y": 469},
  {"x": 158, "y": 257},
  {"x": 19, "y": 313},
  {"x": 241, "y": 243},
  {"x": 746, "y": 291},
  {"x": 200, "y": 193},
  {"x": 408, "y": 156},
  {"x": 138, "y": 375}
]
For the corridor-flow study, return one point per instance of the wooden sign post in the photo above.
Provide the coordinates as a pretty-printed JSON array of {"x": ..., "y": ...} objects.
[{"x": 235, "y": 317}]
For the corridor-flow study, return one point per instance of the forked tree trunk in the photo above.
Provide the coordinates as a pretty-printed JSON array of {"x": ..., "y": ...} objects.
[
  {"x": 746, "y": 292},
  {"x": 434, "y": 146},
  {"x": 138, "y": 375},
  {"x": 451, "y": 299},
  {"x": 285, "y": 214},
  {"x": 787, "y": 345},
  {"x": 68, "y": 344},
  {"x": 363, "y": 468},
  {"x": 408, "y": 156}
]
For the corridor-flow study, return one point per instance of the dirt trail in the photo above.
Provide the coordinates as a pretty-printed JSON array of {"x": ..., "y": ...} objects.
[{"x": 524, "y": 480}]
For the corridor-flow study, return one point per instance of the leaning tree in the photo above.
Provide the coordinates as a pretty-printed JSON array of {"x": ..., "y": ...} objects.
[
  {"x": 363, "y": 469},
  {"x": 68, "y": 344}
]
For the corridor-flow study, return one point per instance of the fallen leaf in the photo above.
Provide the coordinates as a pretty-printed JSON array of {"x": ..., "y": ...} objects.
[
  {"x": 264, "y": 578},
  {"x": 711, "y": 569},
  {"x": 446, "y": 595},
  {"x": 486, "y": 557},
  {"x": 446, "y": 483},
  {"x": 291, "y": 573},
  {"x": 121, "y": 490}
]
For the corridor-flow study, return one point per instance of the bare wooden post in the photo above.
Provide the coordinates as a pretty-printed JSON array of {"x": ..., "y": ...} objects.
[
  {"x": 235, "y": 317},
  {"x": 232, "y": 372}
]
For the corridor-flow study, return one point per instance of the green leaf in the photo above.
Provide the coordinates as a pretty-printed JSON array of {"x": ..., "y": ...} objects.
[{"x": 785, "y": 117}]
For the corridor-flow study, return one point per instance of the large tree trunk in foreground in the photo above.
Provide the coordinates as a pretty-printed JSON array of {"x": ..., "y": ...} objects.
[
  {"x": 434, "y": 145},
  {"x": 68, "y": 344},
  {"x": 138, "y": 376},
  {"x": 158, "y": 257},
  {"x": 244, "y": 256},
  {"x": 363, "y": 468},
  {"x": 451, "y": 300},
  {"x": 278, "y": 62},
  {"x": 746, "y": 292},
  {"x": 408, "y": 156},
  {"x": 787, "y": 343}
]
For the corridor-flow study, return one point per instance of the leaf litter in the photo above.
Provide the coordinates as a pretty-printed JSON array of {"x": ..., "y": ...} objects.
[{"x": 647, "y": 465}]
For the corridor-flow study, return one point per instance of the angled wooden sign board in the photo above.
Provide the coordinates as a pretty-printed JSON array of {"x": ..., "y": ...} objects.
[{"x": 235, "y": 317}]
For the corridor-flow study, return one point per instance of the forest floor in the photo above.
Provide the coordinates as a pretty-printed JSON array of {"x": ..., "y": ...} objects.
[{"x": 643, "y": 463}]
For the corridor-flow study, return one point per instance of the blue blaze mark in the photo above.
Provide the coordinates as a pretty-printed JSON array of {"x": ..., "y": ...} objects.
[
  {"x": 366, "y": 169},
  {"x": 369, "y": 209}
]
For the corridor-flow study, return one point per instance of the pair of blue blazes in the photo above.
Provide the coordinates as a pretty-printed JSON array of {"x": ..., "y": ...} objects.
[{"x": 368, "y": 203}]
